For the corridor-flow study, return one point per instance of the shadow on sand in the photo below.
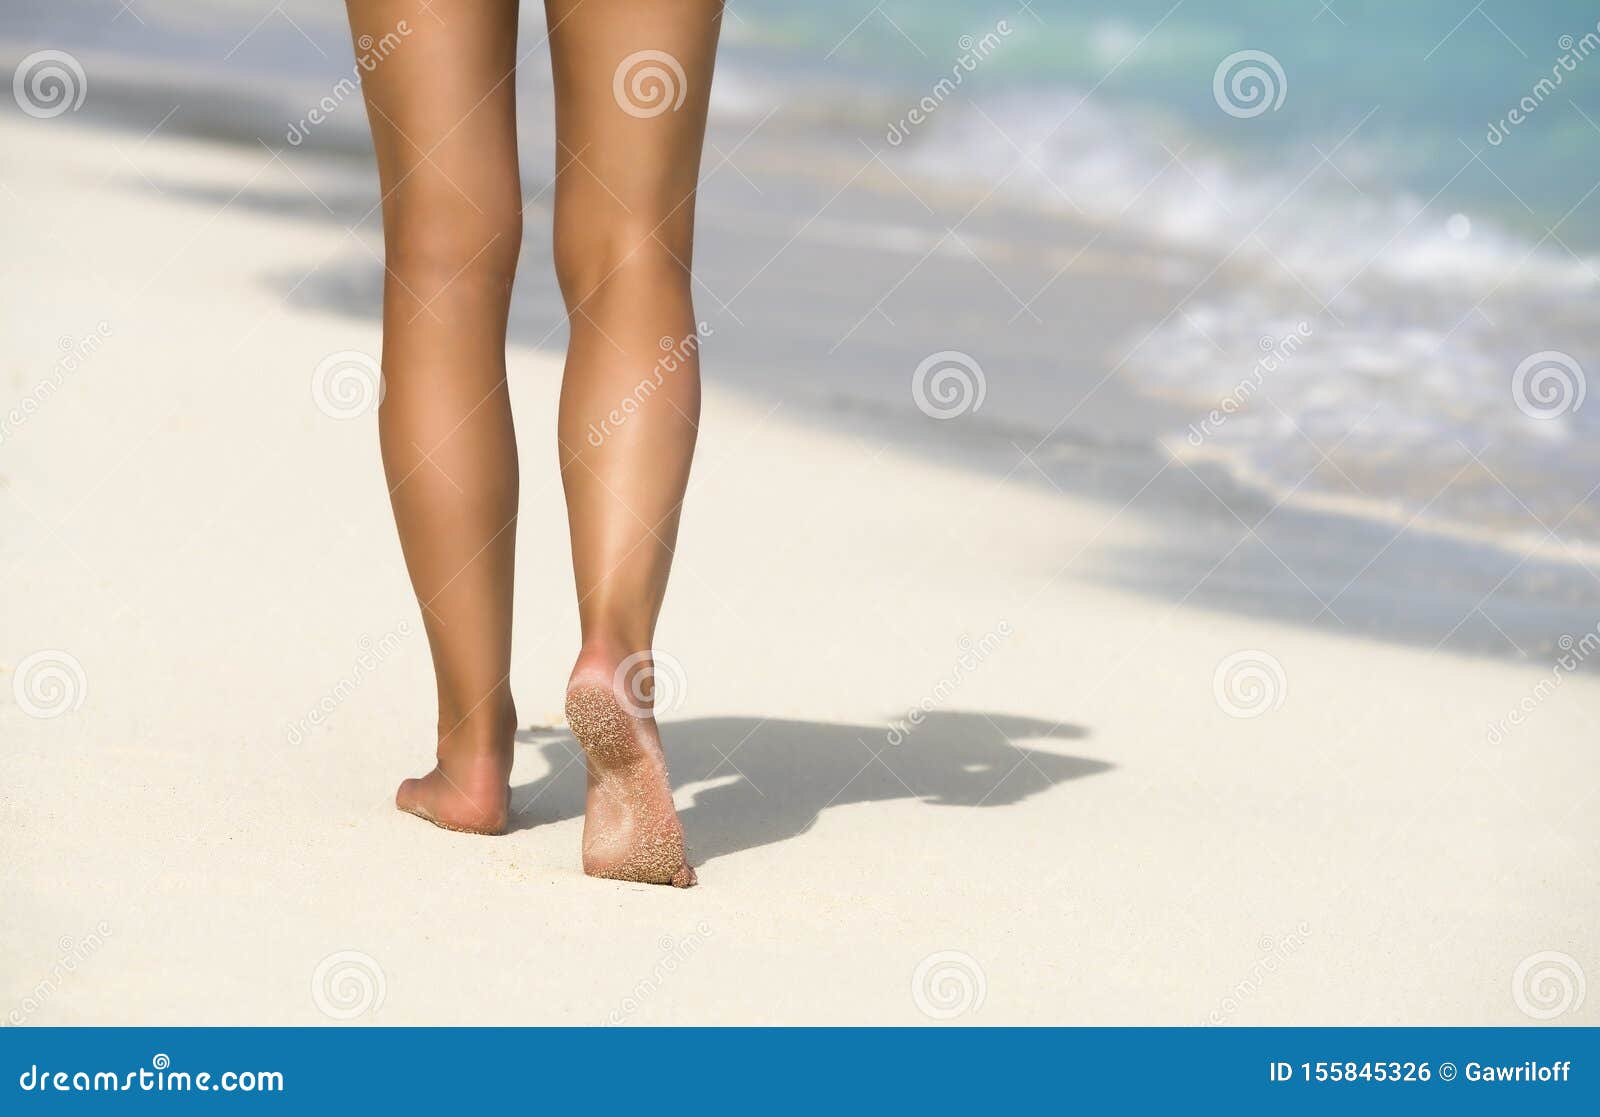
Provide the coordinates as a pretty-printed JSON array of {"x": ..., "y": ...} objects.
[{"x": 762, "y": 780}]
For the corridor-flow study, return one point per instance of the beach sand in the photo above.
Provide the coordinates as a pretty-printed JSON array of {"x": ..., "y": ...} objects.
[{"x": 1078, "y": 831}]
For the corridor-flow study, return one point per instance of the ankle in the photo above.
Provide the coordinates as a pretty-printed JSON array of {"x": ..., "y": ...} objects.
[
  {"x": 488, "y": 727},
  {"x": 602, "y": 656}
]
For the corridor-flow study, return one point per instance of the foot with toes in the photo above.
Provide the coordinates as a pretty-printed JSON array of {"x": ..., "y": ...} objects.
[
  {"x": 469, "y": 790},
  {"x": 630, "y": 825}
]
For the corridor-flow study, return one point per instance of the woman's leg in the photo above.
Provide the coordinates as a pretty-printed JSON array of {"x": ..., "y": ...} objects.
[
  {"x": 632, "y": 81},
  {"x": 443, "y": 121}
]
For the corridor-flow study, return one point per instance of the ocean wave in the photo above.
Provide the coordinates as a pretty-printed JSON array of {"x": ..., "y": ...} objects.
[
  {"x": 1405, "y": 395},
  {"x": 1323, "y": 213}
]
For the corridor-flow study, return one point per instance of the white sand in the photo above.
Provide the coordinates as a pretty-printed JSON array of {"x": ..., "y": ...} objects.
[{"x": 212, "y": 550}]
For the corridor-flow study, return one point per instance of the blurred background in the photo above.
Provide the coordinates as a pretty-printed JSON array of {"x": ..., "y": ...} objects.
[{"x": 1375, "y": 223}]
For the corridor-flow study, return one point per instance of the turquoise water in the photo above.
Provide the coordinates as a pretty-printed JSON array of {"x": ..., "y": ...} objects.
[
  {"x": 1443, "y": 252},
  {"x": 1437, "y": 71}
]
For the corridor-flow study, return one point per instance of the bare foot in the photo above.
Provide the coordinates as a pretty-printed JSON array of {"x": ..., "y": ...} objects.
[
  {"x": 630, "y": 826},
  {"x": 470, "y": 788}
]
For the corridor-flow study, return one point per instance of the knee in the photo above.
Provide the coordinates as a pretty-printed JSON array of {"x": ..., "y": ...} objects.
[
  {"x": 593, "y": 259},
  {"x": 441, "y": 239}
]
